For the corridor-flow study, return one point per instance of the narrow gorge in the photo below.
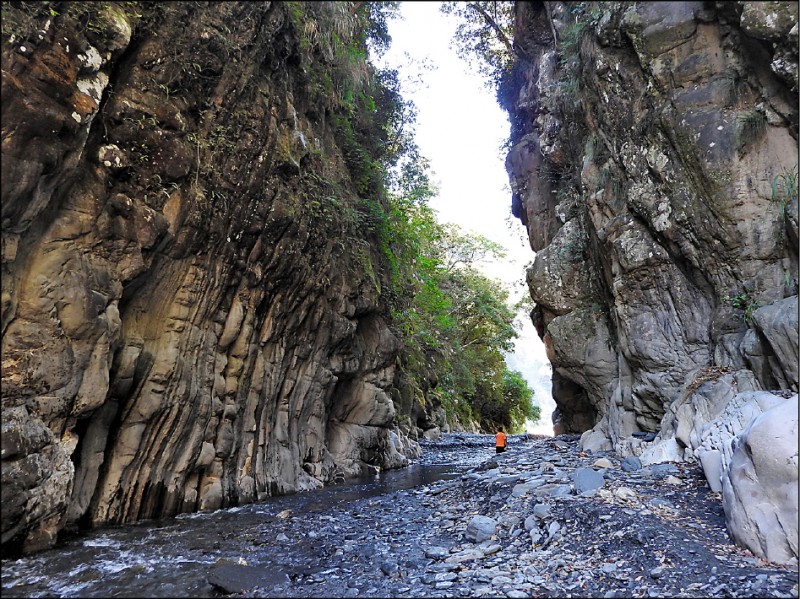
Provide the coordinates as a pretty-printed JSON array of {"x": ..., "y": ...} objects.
[{"x": 200, "y": 292}]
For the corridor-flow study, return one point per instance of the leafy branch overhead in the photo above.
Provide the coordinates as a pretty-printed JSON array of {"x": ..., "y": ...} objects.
[{"x": 484, "y": 37}]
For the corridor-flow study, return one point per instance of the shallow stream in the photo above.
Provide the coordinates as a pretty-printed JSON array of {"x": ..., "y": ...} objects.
[{"x": 172, "y": 558}]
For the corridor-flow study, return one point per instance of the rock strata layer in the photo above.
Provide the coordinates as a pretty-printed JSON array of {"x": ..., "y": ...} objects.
[{"x": 191, "y": 314}]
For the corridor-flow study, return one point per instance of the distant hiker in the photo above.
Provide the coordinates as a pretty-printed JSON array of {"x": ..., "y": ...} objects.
[{"x": 500, "y": 441}]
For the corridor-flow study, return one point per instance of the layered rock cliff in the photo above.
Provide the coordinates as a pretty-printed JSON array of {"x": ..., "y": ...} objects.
[
  {"x": 192, "y": 309},
  {"x": 654, "y": 163}
]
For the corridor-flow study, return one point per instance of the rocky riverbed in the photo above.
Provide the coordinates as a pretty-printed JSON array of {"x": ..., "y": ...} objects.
[{"x": 541, "y": 520}]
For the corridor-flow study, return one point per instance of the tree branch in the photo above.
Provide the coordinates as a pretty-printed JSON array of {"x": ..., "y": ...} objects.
[
  {"x": 550, "y": 22},
  {"x": 494, "y": 26}
]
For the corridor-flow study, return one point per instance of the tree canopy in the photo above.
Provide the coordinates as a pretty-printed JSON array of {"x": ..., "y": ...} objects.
[
  {"x": 484, "y": 37},
  {"x": 454, "y": 320},
  {"x": 455, "y": 324}
]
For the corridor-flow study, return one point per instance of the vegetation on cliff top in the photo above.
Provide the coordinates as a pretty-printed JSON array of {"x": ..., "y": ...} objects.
[{"x": 454, "y": 323}]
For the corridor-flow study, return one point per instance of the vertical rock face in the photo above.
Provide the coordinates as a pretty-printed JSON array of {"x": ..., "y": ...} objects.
[
  {"x": 654, "y": 163},
  {"x": 191, "y": 311}
]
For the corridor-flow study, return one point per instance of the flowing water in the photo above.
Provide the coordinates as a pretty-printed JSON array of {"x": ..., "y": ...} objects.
[{"x": 171, "y": 558}]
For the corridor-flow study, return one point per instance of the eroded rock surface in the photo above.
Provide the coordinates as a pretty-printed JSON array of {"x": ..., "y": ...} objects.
[
  {"x": 191, "y": 307},
  {"x": 759, "y": 491},
  {"x": 654, "y": 164}
]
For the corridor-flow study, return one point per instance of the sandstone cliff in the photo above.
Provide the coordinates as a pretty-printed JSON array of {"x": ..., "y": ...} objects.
[
  {"x": 192, "y": 314},
  {"x": 654, "y": 162}
]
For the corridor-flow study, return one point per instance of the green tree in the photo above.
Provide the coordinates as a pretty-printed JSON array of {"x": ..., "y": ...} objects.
[
  {"x": 484, "y": 37},
  {"x": 519, "y": 398},
  {"x": 454, "y": 323}
]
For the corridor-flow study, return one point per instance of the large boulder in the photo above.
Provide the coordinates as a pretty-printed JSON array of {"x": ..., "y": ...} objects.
[
  {"x": 778, "y": 324},
  {"x": 718, "y": 439},
  {"x": 759, "y": 488}
]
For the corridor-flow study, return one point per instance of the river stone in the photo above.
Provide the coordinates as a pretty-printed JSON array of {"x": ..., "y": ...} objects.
[
  {"x": 237, "y": 578},
  {"x": 541, "y": 510},
  {"x": 609, "y": 568},
  {"x": 522, "y": 489},
  {"x": 625, "y": 493},
  {"x": 552, "y": 490},
  {"x": 594, "y": 441},
  {"x": 711, "y": 462},
  {"x": 631, "y": 464},
  {"x": 443, "y": 585},
  {"x": 759, "y": 487},
  {"x": 509, "y": 520},
  {"x": 587, "y": 479},
  {"x": 661, "y": 469},
  {"x": 530, "y": 523},
  {"x": 481, "y": 528},
  {"x": 665, "y": 451},
  {"x": 465, "y": 556},
  {"x": 436, "y": 552},
  {"x": 508, "y": 478}
]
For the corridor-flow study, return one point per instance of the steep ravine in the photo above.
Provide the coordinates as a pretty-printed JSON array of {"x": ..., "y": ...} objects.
[
  {"x": 192, "y": 314},
  {"x": 654, "y": 162},
  {"x": 193, "y": 305}
]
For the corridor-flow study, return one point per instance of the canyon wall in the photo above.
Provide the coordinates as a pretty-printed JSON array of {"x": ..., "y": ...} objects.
[
  {"x": 192, "y": 309},
  {"x": 654, "y": 162}
]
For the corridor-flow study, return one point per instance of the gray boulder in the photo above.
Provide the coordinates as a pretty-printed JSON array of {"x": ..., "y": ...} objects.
[
  {"x": 631, "y": 464},
  {"x": 778, "y": 323},
  {"x": 481, "y": 528},
  {"x": 759, "y": 487},
  {"x": 587, "y": 479},
  {"x": 718, "y": 436}
]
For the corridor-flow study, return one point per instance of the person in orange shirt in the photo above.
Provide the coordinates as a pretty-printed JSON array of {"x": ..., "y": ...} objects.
[{"x": 500, "y": 441}]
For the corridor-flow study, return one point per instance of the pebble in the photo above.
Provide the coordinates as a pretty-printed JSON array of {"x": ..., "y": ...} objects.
[{"x": 646, "y": 532}]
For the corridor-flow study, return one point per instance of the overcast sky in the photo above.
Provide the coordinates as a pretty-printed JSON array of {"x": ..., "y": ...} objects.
[{"x": 461, "y": 130}]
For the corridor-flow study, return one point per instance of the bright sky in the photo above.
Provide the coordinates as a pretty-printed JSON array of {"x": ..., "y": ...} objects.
[{"x": 461, "y": 130}]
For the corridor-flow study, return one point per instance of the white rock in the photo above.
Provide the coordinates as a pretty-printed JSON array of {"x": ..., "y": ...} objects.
[
  {"x": 759, "y": 487},
  {"x": 625, "y": 493},
  {"x": 665, "y": 451}
]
